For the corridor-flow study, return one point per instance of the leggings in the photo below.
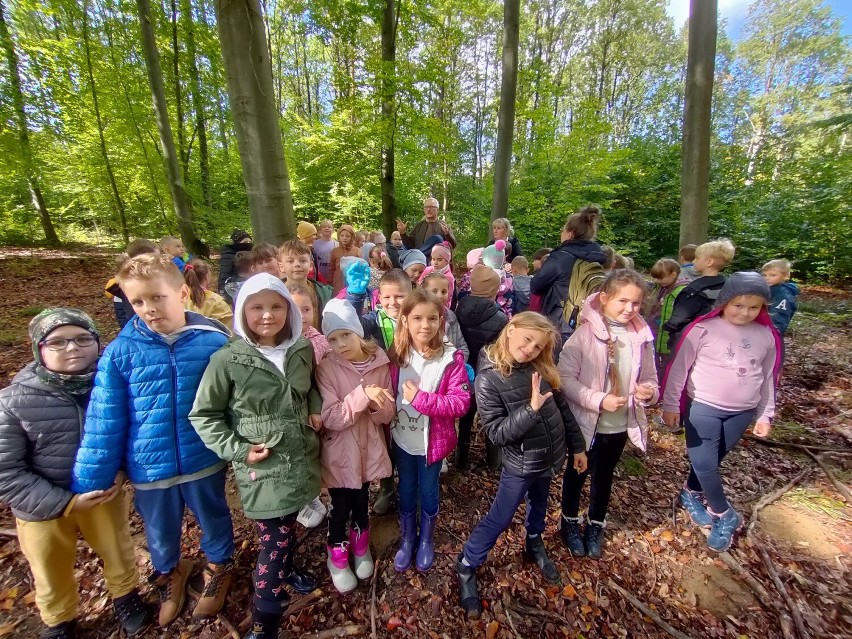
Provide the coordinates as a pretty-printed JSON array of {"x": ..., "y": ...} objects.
[
  {"x": 348, "y": 503},
  {"x": 603, "y": 456},
  {"x": 710, "y": 434},
  {"x": 274, "y": 563}
]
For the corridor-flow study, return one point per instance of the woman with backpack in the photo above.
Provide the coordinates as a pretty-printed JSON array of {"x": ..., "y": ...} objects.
[{"x": 556, "y": 290}]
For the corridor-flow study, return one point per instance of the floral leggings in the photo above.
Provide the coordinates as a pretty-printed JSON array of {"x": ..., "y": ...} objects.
[{"x": 274, "y": 562}]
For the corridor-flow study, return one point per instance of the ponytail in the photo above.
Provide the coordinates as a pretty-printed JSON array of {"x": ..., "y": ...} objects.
[{"x": 196, "y": 274}]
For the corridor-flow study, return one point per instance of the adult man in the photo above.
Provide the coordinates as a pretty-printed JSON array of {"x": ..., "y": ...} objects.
[{"x": 427, "y": 232}]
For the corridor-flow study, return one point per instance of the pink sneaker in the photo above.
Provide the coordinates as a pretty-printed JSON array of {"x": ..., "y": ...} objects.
[{"x": 359, "y": 542}]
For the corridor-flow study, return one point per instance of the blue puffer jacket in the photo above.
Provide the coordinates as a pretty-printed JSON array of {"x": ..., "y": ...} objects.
[{"x": 138, "y": 417}]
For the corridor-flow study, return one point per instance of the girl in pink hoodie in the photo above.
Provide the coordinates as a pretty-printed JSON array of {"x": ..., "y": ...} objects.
[
  {"x": 608, "y": 377},
  {"x": 354, "y": 381},
  {"x": 432, "y": 390}
]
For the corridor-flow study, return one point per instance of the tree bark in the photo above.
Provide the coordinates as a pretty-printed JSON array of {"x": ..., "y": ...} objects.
[
  {"x": 197, "y": 101},
  {"x": 250, "y": 89},
  {"x": 30, "y": 168},
  {"x": 388, "y": 88},
  {"x": 508, "y": 93},
  {"x": 182, "y": 205},
  {"x": 119, "y": 203},
  {"x": 183, "y": 153},
  {"x": 695, "y": 177}
]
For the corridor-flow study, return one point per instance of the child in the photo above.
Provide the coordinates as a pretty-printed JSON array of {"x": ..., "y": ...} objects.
[
  {"x": 783, "y": 306},
  {"x": 346, "y": 237},
  {"x": 432, "y": 389},
  {"x": 379, "y": 265},
  {"x": 138, "y": 420},
  {"x": 360, "y": 238},
  {"x": 608, "y": 377},
  {"x": 307, "y": 233},
  {"x": 257, "y": 407},
  {"x": 413, "y": 263},
  {"x": 686, "y": 257},
  {"x": 442, "y": 256},
  {"x": 202, "y": 300},
  {"x": 698, "y": 297},
  {"x": 294, "y": 259},
  {"x": 240, "y": 242},
  {"x": 472, "y": 258},
  {"x": 668, "y": 285},
  {"x": 539, "y": 257},
  {"x": 356, "y": 404},
  {"x": 494, "y": 256},
  {"x": 121, "y": 307},
  {"x": 304, "y": 299},
  {"x": 521, "y": 284},
  {"x": 481, "y": 321},
  {"x": 264, "y": 259},
  {"x": 41, "y": 419},
  {"x": 396, "y": 241},
  {"x": 173, "y": 247},
  {"x": 722, "y": 378},
  {"x": 438, "y": 285},
  {"x": 242, "y": 271},
  {"x": 323, "y": 246},
  {"x": 522, "y": 410}
]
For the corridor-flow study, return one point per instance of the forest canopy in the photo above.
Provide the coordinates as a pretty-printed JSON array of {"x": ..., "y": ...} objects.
[{"x": 598, "y": 118}]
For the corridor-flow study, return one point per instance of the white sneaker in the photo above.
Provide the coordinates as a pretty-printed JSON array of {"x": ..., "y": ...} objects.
[
  {"x": 445, "y": 468},
  {"x": 312, "y": 514}
]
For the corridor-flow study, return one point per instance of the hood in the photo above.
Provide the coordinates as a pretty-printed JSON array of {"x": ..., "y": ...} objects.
[
  {"x": 474, "y": 310},
  {"x": 256, "y": 284},
  {"x": 591, "y": 313},
  {"x": 792, "y": 287},
  {"x": 584, "y": 250}
]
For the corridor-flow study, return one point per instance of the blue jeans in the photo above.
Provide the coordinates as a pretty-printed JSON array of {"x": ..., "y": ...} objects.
[
  {"x": 510, "y": 494},
  {"x": 162, "y": 512},
  {"x": 710, "y": 434},
  {"x": 417, "y": 479}
]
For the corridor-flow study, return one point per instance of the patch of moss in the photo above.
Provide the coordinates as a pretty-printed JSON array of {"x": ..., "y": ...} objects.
[{"x": 633, "y": 466}]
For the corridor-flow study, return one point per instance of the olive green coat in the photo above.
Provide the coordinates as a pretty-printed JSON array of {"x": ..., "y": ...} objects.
[{"x": 244, "y": 399}]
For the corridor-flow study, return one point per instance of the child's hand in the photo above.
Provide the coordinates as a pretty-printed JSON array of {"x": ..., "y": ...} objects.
[
  {"x": 581, "y": 462},
  {"x": 316, "y": 421},
  {"x": 358, "y": 277},
  {"x": 87, "y": 501},
  {"x": 612, "y": 403},
  {"x": 670, "y": 419},
  {"x": 645, "y": 391},
  {"x": 762, "y": 428},
  {"x": 257, "y": 453},
  {"x": 409, "y": 390},
  {"x": 378, "y": 395},
  {"x": 537, "y": 399}
]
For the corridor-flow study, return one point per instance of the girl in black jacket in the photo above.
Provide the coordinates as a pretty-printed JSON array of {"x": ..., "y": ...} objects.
[{"x": 521, "y": 413}]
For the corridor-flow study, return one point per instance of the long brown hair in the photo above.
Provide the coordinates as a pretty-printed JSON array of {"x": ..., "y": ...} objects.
[
  {"x": 614, "y": 282},
  {"x": 583, "y": 225},
  {"x": 196, "y": 274},
  {"x": 503, "y": 362},
  {"x": 400, "y": 353}
]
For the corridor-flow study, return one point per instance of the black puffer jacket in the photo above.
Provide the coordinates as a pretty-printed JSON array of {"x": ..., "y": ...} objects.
[
  {"x": 533, "y": 443},
  {"x": 40, "y": 430},
  {"x": 226, "y": 261},
  {"x": 481, "y": 321}
]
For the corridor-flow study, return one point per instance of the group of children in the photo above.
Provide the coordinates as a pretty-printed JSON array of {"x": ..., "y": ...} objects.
[{"x": 333, "y": 389}]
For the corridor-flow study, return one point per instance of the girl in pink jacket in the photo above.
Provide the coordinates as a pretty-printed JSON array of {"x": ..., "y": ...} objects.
[
  {"x": 432, "y": 390},
  {"x": 608, "y": 377},
  {"x": 354, "y": 380}
]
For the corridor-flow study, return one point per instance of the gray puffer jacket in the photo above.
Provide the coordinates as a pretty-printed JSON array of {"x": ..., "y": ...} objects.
[{"x": 40, "y": 429}]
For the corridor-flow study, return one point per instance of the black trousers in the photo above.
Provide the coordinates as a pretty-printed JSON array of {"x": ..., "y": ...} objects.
[
  {"x": 603, "y": 456},
  {"x": 346, "y": 504},
  {"x": 274, "y": 562}
]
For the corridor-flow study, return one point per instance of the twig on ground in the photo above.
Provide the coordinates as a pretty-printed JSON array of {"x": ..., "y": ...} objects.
[
  {"x": 512, "y": 623},
  {"x": 9, "y": 532},
  {"x": 350, "y": 630},
  {"x": 844, "y": 491},
  {"x": 512, "y": 604},
  {"x": 761, "y": 592},
  {"x": 806, "y": 447},
  {"x": 845, "y": 434},
  {"x": 310, "y": 599},
  {"x": 654, "y": 563},
  {"x": 447, "y": 530},
  {"x": 773, "y": 496},
  {"x": 779, "y": 586},
  {"x": 373, "y": 634},
  {"x": 645, "y": 610},
  {"x": 232, "y": 631}
]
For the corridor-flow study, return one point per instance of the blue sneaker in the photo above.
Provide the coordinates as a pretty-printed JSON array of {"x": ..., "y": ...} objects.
[
  {"x": 691, "y": 502},
  {"x": 723, "y": 529}
]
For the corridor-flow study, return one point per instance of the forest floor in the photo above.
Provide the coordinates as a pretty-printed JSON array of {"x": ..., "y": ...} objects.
[{"x": 801, "y": 541}]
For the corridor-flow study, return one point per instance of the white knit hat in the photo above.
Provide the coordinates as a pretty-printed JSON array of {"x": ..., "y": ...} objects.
[{"x": 340, "y": 315}]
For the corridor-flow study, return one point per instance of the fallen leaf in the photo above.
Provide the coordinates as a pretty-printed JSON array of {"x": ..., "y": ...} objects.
[
  {"x": 491, "y": 629},
  {"x": 667, "y": 535},
  {"x": 569, "y": 592},
  {"x": 393, "y": 623}
]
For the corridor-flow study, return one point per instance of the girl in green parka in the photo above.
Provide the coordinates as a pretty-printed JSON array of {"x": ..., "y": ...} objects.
[{"x": 257, "y": 407}]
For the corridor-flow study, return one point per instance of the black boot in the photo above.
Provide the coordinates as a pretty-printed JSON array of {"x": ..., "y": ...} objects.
[
  {"x": 133, "y": 614},
  {"x": 534, "y": 552},
  {"x": 493, "y": 455},
  {"x": 468, "y": 590},
  {"x": 594, "y": 538},
  {"x": 264, "y": 625},
  {"x": 570, "y": 533},
  {"x": 299, "y": 580},
  {"x": 64, "y": 630}
]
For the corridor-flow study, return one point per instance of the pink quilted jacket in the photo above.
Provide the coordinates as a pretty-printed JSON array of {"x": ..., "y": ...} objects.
[
  {"x": 353, "y": 448},
  {"x": 451, "y": 401}
]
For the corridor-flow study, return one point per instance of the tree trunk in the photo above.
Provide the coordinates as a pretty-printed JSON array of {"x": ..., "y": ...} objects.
[
  {"x": 388, "y": 88},
  {"x": 197, "y": 102},
  {"x": 249, "y": 72},
  {"x": 695, "y": 178},
  {"x": 119, "y": 203},
  {"x": 508, "y": 92},
  {"x": 183, "y": 207},
  {"x": 23, "y": 132},
  {"x": 183, "y": 154}
]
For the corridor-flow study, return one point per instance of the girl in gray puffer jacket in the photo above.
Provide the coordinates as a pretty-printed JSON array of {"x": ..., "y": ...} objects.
[{"x": 42, "y": 413}]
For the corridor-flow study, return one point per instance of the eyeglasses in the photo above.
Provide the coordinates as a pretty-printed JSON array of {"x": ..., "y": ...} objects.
[{"x": 61, "y": 343}]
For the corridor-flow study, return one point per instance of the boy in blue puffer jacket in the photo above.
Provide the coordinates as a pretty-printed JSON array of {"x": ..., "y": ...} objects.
[{"x": 138, "y": 421}]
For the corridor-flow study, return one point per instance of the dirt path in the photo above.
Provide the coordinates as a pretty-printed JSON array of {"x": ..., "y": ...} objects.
[{"x": 652, "y": 552}]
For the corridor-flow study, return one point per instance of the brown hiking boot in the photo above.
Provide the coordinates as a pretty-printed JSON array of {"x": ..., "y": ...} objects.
[
  {"x": 171, "y": 588},
  {"x": 217, "y": 580}
]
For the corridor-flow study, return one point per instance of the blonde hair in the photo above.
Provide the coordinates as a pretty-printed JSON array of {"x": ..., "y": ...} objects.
[
  {"x": 520, "y": 263},
  {"x": 166, "y": 241},
  {"x": 720, "y": 250},
  {"x": 148, "y": 267},
  {"x": 294, "y": 247},
  {"x": 400, "y": 353},
  {"x": 779, "y": 265},
  {"x": 503, "y": 362}
]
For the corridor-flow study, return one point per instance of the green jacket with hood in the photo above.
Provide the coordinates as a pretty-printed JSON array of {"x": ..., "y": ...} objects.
[{"x": 244, "y": 399}]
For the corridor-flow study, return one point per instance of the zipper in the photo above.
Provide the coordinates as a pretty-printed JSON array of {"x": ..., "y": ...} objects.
[{"x": 173, "y": 367}]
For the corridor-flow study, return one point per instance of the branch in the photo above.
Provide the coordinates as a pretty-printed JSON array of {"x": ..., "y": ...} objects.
[
  {"x": 645, "y": 610},
  {"x": 779, "y": 586},
  {"x": 773, "y": 496},
  {"x": 308, "y": 600},
  {"x": 373, "y": 634},
  {"x": 844, "y": 491},
  {"x": 806, "y": 447},
  {"x": 761, "y": 592}
]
